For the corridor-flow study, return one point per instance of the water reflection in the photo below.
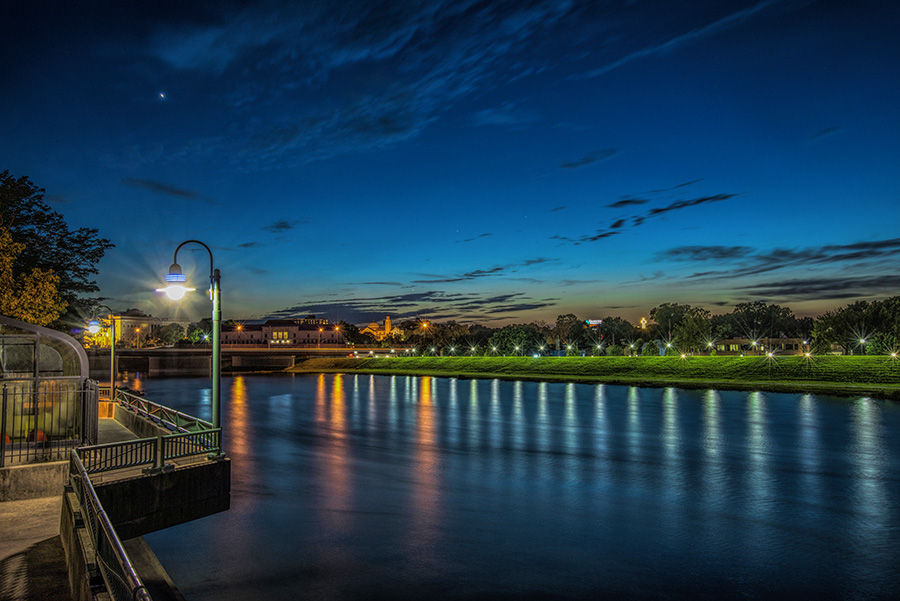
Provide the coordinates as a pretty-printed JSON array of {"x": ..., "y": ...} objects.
[
  {"x": 418, "y": 487},
  {"x": 425, "y": 498},
  {"x": 331, "y": 414}
]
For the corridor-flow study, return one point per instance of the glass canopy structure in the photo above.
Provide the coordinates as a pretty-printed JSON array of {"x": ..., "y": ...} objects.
[{"x": 49, "y": 404}]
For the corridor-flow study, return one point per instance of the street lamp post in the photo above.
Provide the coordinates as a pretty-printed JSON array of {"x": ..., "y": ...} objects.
[
  {"x": 175, "y": 289},
  {"x": 93, "y": 328}
]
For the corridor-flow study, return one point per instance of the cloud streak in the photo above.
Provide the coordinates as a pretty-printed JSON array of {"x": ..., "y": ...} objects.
[
  {"x": 432, "y": 304},
  {"x": 165, "y": 189},
  {"x": 617, "y": 226},
  {"x": 591, "y": 158},
  {"x": 474, "y": 274}
]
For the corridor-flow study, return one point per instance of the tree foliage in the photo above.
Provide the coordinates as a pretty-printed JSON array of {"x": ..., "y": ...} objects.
[
  {"x": 568, "y": 329},
  {"x": 693, "y": 332},
  {"x": 170, "y": 333},
  {"x": 860, "y": 328},
  {"x": 49, "y": 244},
  {"x": 32, "y": 296},
  {"x": 517, "y": 339}
]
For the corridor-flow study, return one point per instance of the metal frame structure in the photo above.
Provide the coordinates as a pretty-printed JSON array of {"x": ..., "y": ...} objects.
[{"x": 47, "y": 403}]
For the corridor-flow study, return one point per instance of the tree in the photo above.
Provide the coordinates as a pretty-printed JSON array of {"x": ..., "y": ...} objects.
[
  {"x": 568, "y": 329},
  {"x": 351, "y": 333},
  {"x": 200, "y": 331},
  {"x": 170, "y": 333},
  {"x": 33, "y": 296},
  {"x": 616, "y": 330},
  {"x": 693, "y": 332},
  {"x": 49, "y": 244},
  {"x": 667, "y": 317},
  {"x": 516, "y": 339}
]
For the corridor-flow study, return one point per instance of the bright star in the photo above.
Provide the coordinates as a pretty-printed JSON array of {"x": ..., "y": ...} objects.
[{"x": 162, "y": 95}]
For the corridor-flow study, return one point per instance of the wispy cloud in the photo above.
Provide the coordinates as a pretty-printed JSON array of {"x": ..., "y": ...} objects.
[
  {"x": 474, "y": 274},
  {"x": 409, "y": 63},
  {"x": 284, "y": 225},
  {"x": 432, "y": 304},
  {"x": 477, "y": 237},
  {"x": 627, "y": 202},
  {"x": 705, "y": 253},
  {"x": 165, "y": 189},
  {"x": 826, "y": 288},
  {"x": 826, "y": 133},
  {"x": 591, "y": 158},
  {"x": 616, "y": 227},
  {"x": 509, "y": 114},
  {"x": 744, "y": 262},
  {"x": 683, "y": 39}
]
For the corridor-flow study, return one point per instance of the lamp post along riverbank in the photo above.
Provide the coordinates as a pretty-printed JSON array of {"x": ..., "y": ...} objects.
[
  {"x": 176, "y": 289},
  {"x": 93, "y": 328}
]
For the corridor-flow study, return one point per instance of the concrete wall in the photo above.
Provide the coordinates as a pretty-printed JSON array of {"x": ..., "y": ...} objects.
[
  {"x": 145, "y": 504},
  {"x": 33, "y": 480},
  {"x": 139, "y": 426},
  {"x": 81, "y": 560}
]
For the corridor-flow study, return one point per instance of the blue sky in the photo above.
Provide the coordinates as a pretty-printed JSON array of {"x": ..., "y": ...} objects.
[{"x": 480, "y": 161}]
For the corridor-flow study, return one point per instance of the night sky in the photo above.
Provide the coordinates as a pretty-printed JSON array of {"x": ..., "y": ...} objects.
[{"x": 494, "y": 162}]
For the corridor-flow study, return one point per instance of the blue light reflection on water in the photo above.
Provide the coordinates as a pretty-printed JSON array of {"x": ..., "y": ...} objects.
[{"x": 362, "y": 487}]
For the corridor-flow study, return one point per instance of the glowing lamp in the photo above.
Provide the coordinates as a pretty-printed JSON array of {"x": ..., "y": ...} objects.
[
  {"x": 93, "y": 326},
  {"x": 175, "y": 288}
]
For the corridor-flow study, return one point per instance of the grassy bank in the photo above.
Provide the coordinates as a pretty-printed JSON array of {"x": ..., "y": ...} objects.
[{"x": 871, "y": 376}]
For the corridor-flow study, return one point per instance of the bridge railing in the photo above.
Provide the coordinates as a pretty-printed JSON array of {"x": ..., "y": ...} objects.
[
  {"x": 162, "y": 415},
  {"x": 191, "y": 436},
  {"x": 121, "y": 578},
  {"x": 118, "y": 455}
]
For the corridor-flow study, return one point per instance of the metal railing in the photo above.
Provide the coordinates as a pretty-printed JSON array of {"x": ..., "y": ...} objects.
[
  {"x": 118, "y": 455},
  {"x": 121, "y": 578},
  {"x": 43, "y": 419},
  {"x": 160, "y": 414},
  {"x": 119, "y": 574}
]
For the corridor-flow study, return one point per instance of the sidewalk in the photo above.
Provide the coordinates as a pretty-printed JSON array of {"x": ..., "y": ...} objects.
[{"x": 32, "y": 561}]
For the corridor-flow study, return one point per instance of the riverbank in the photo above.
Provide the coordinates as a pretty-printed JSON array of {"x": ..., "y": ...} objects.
[{"x": 874, "y": 376}]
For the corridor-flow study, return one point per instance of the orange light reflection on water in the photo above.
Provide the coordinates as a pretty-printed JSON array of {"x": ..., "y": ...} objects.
[
  {"x": 425, "y": 478},
  {"x": 331, "y": 415}
]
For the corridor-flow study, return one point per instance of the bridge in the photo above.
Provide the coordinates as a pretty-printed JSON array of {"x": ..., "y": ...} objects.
[{"x": 195, "y": 361}]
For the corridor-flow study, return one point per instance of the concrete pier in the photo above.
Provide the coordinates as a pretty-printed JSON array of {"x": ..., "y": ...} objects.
[{"x": 33, "y": 562}]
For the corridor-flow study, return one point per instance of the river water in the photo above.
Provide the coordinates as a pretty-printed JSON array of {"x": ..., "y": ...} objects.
[{"x": 380, "y": 487}]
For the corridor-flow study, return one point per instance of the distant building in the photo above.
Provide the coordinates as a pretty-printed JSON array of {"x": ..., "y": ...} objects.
[
  {"x": 276, "y": 333},
  {"x": 780, "y": 346},
  {"x": 133, "y": 328},
  {"x": 381, "y": 331}
]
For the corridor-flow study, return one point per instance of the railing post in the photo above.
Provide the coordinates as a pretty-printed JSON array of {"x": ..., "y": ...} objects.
[{"x": 3, "y": 431}]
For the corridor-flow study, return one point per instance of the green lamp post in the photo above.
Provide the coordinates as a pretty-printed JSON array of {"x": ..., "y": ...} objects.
[{"x": 175, "y": 289}]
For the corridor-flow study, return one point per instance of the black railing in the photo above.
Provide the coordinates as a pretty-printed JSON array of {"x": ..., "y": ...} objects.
[
  {"x": 118, "y": 455},
  {"x": 121, "y": 579},
  {"x": 43, "y": 419},
  {"x": 162, "y": 415}
]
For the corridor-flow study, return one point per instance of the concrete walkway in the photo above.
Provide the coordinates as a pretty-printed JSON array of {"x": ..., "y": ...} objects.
[{"x": 32, "y": 561}]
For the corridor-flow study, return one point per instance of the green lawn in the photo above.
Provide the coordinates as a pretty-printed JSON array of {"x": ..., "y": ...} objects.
[{"x": 877, "y": 376}]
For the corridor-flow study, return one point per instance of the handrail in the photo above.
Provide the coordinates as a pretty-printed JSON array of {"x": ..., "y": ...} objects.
[
  {"x": 121, "y": 578},
  {"x": 117, "y": 455},
  {"x": 170, "y": 418}
]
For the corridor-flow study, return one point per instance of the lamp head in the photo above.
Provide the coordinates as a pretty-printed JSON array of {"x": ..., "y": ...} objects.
[
  {"x": 175, "y": 288},
  {"x": 93, "y": 326}
]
